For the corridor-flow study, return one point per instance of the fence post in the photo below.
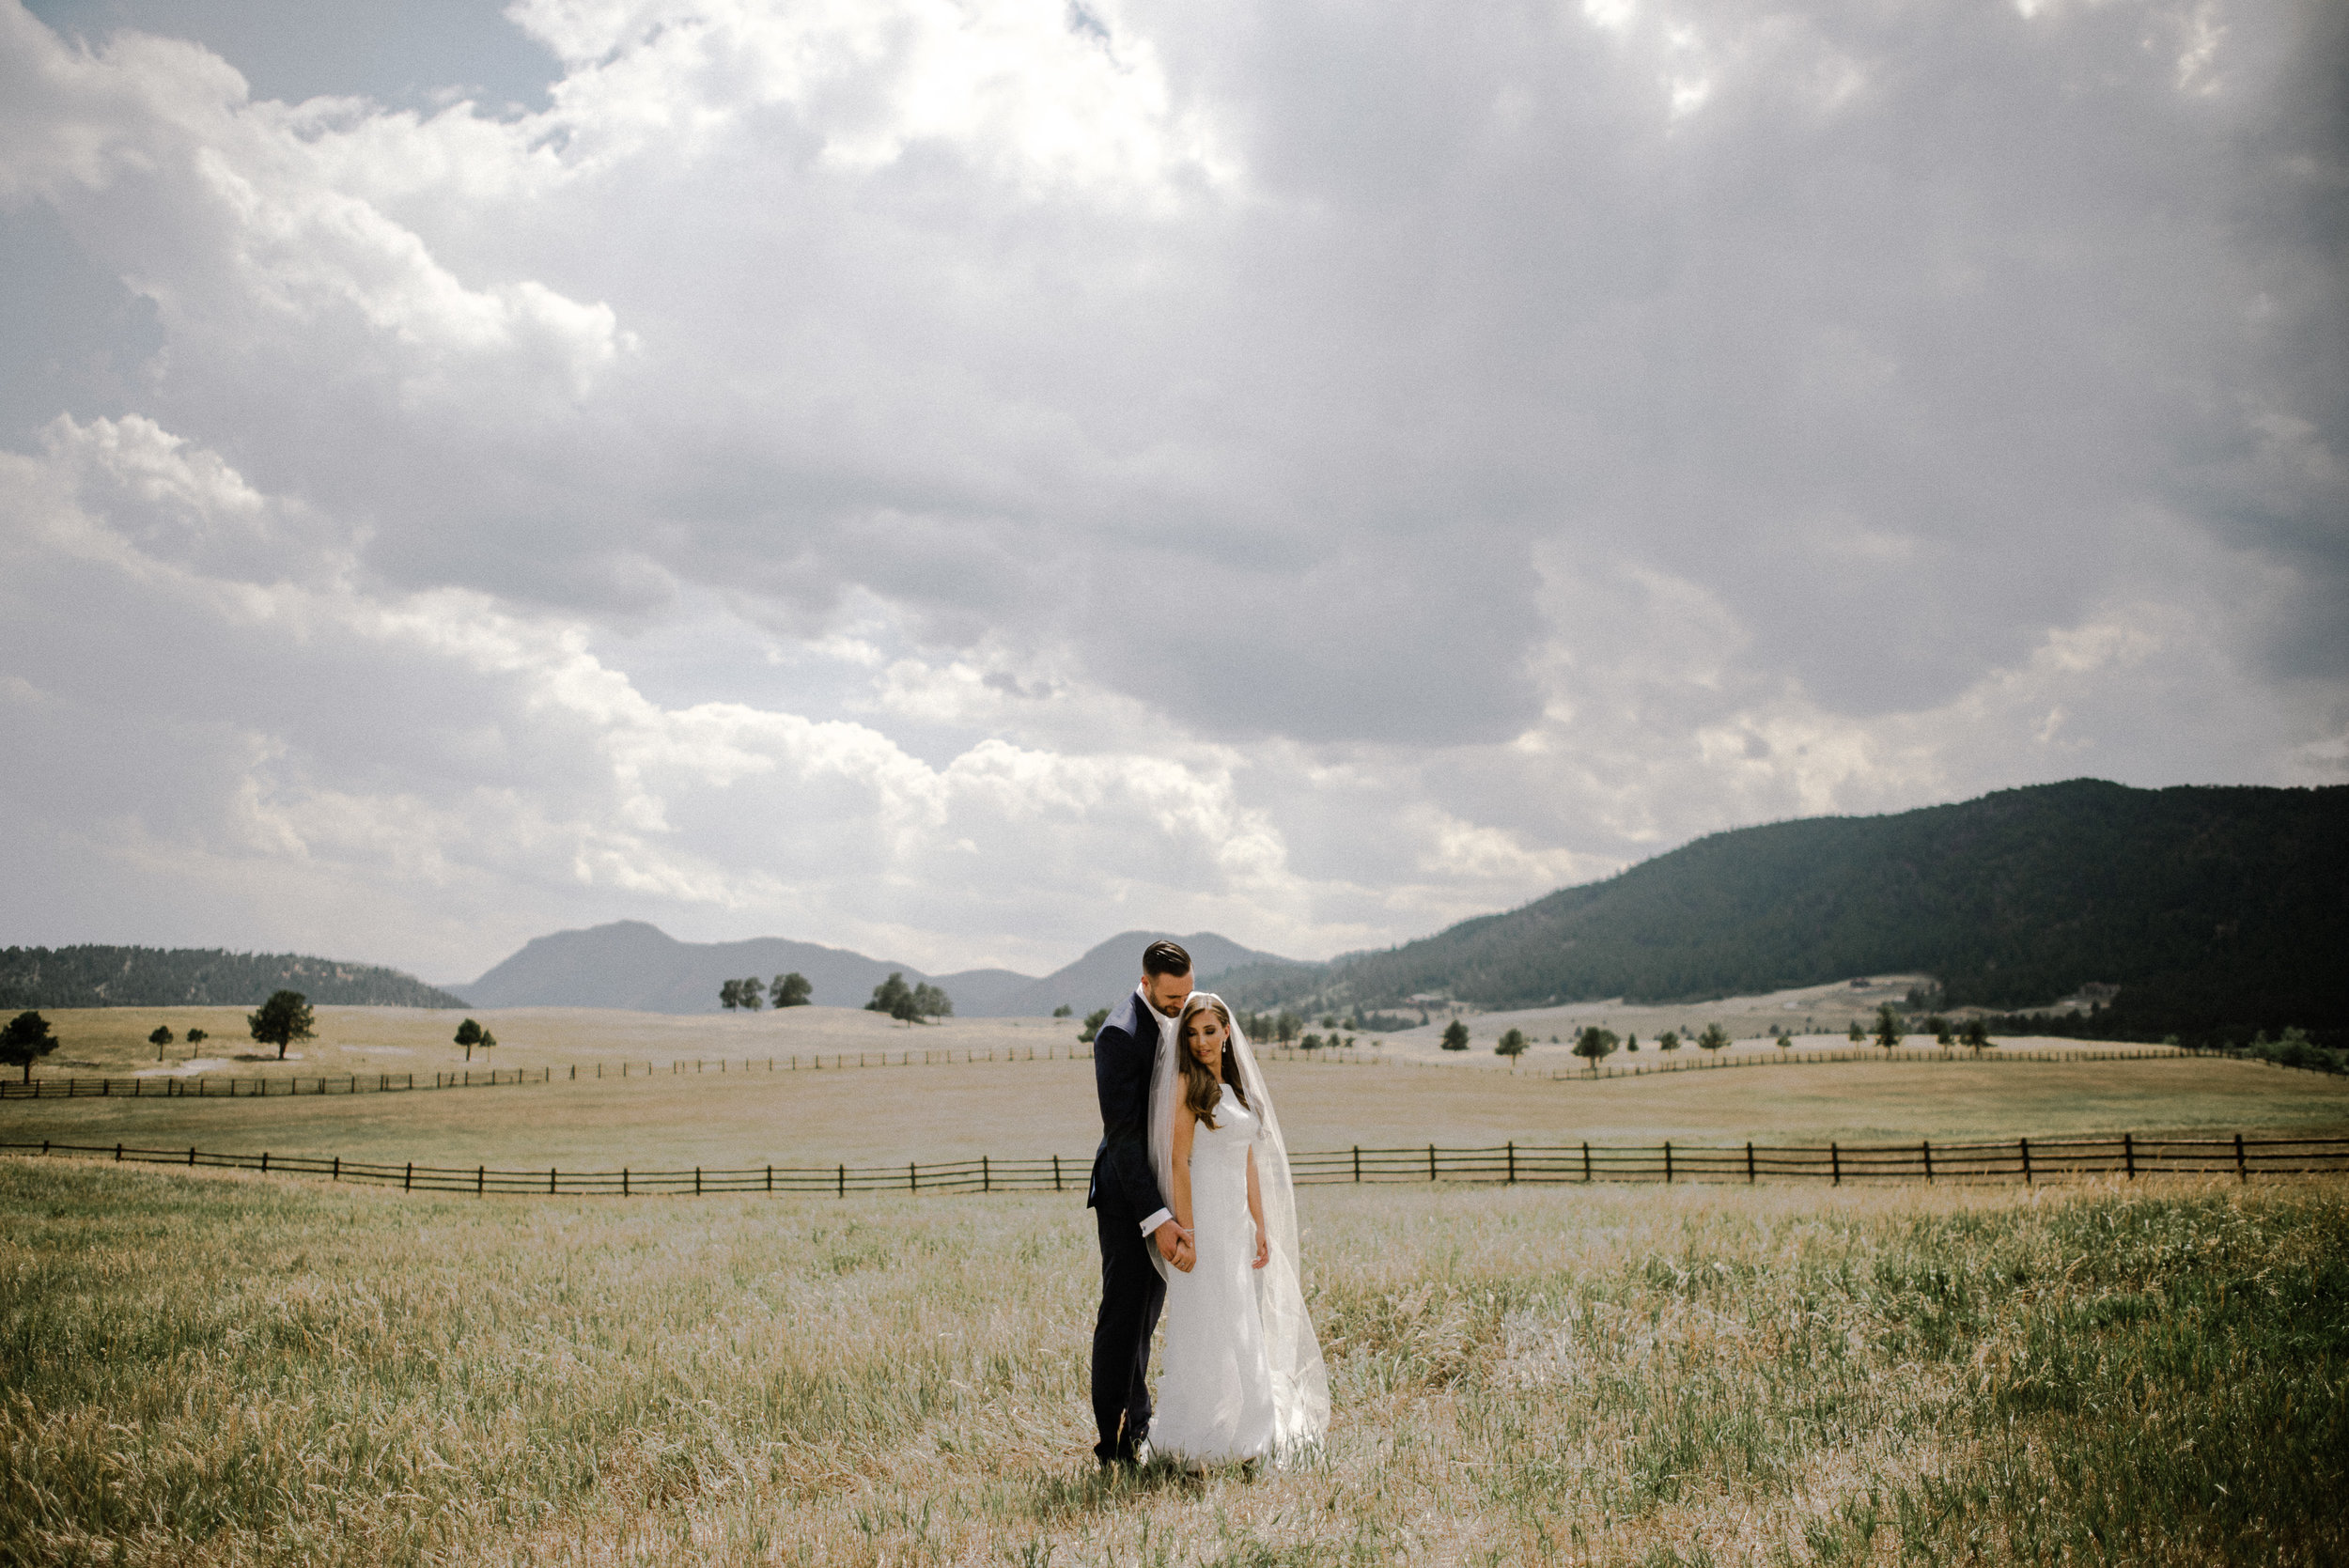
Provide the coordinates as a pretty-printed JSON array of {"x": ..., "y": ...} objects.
[
  {"x": 987, "y": 1180},
  {"x": 844, "y": 1170},
  {"x": 1056, "y": 1172},
  {"x": 407, "y": 1180},
  {"x": 338, "y": 1167},
  {"x": 2024, "y": 1143},
  {"x": 550, "y": 1181},
  {"x": 118, "y": 1154},
  {"x": 2243, "y": 1172},
  {"x": 623, "y": 1181},
  {"x": 480, "y": 1179},
  {"x": 1668, "y": 1162},
  {"x": 1431, "y": 1162},
  {"x": 191, "y": 1156},
  {"x": 265, "y": 1162},
  {"x": 697, "y": 1181},
  {"x": 2128, "y": 1155},
  {"x": 1927, "y": 1147},
  {"x": 770, "y": 1178},
  {"x": 1586, "y": 1159},
  {"x": 1749, "y": 1163},
  {"x": 1835, "y": 1162},
  {"x": 914, "y": 1177},
  {"x": 1513, "y": 1162},
  {"x": 1357, "y": 1162}
]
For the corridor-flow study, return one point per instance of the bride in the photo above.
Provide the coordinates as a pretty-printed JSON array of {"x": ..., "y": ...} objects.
[{"x": 1240, "y": 1372}]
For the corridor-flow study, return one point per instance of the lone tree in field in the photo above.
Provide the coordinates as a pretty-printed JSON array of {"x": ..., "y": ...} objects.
[
  {"x": 1858, "y": 1036},
  {"x": 1668, "y": 1041},
  {"x": 1714, "y": 1038},
  {"x": 750, "y": 993},
  {"x": 1095, "y": 1020},
  {"x": 1593, "y": 1043},
  {"x": 792, "y": 990},
  {"x": 1284, "y": 1028},
  {"x": 1455, "y": 1035},
  {"x": 196, "y": 1036},
  {"x": 160, "y": 1038},
  {"x": 929, "y": 1002},
  {"x": 25, "y": 1040},
  {"x": 1888, "y": 1030},
  {"x": 730, "y": 995},
  {"x": 1511, "y": 1043},
  {"x": 1977, "y": 1035},
  {"x": 1063, "y": 1011},
  {"x": 488, "y": 1041},
  {"x": 469, "y": 1035},
  {"x": 283, "y": 1018}
]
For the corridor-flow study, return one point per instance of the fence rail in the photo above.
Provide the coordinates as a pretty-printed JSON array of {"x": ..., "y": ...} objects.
[
  {"x": 218, "y": 1086},
  {"x": 2024, "y": 1159},
  {"x": 1874, "y": 1053}
]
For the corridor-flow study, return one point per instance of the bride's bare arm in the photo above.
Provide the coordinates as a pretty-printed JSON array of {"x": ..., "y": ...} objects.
[{"x": 1255, "y": 1211}]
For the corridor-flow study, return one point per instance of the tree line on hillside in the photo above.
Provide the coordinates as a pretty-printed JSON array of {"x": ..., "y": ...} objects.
[
  {"x": 2214, "y": 913},
  {"x": 99, "y": 976}
]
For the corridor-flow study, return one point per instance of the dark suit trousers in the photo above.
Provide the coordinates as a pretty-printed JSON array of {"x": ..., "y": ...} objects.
[{"x": 1132, "y": 1295}]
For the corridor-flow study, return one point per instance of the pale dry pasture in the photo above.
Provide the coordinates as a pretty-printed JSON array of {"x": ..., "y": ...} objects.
[
  {"x": 1022, "y": 1109},
  {"x": 225, "y": 1369}
]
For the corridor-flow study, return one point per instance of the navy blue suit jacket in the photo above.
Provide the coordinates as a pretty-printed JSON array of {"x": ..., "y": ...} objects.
[{"x": 1124, "y": 1054}]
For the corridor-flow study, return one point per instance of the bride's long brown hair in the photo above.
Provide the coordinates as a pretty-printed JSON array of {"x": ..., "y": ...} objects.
[{"x": 1200, "y": 1092}]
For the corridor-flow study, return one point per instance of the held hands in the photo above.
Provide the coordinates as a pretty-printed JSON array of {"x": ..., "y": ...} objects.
[{"x": 1174, "y": 1246}]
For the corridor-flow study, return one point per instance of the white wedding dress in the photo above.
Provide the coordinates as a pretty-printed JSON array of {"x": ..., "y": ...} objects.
[
  {"x": 1215, "y": 1385},
  {"x": 1240, "y": 1374}
]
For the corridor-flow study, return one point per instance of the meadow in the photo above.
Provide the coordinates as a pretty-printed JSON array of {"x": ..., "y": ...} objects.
[
  {"x": 225, "y": 1369},
  {"x": 220, "y": 1368}
]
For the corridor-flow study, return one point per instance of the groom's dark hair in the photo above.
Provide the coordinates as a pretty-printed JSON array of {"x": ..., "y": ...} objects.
[{"x": 1165, "y": 958}]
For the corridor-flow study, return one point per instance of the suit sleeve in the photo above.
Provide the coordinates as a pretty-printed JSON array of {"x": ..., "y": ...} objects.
[{"x": 1121, "y": 1077}]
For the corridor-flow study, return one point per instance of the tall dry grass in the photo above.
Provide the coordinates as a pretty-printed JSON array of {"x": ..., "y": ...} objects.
[{"x": 216, "y": 1368}]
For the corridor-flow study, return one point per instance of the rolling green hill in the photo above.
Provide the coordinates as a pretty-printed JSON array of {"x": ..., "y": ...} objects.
[
  {"x": 185, "y": 976},
  {"x": 2211, "y": 909}
]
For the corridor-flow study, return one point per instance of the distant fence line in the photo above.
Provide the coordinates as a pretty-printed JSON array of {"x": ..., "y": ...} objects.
[
  {"x": 2026, "y": 1159},
  {"x": 1875, "y": 1053},
  {"x": 216, "y": 1086}
]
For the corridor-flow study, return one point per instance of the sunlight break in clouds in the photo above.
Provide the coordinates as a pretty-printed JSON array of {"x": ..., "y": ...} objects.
[{"x": 956, "y": 480}]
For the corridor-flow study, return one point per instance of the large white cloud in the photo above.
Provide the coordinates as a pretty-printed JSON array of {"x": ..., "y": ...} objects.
[{"x": 953, "y": 478}]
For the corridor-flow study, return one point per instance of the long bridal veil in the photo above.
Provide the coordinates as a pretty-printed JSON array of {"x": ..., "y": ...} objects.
[{"x": 1300, "y": 1384}]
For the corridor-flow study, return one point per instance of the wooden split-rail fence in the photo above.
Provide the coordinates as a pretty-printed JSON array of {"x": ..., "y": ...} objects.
[
  {"x": 2024, "y": 1159},
  {"x": 222, "y": 1086}
]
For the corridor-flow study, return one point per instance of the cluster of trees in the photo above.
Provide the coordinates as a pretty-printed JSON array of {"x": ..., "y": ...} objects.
[
  {"x": 912, "y": 1004},
  {"x": 474, "y": 1038},
  {"x": 1892, "y": 1029},
  {"x": 161, "y": 1039},
  {"x": 751, "y": 993}
]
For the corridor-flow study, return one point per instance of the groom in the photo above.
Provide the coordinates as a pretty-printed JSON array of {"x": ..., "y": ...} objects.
[{"x": 1128, "y": 1208}]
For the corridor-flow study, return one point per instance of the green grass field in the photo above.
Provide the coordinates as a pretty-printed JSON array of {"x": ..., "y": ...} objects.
[{"x": 225, "y": 1369}]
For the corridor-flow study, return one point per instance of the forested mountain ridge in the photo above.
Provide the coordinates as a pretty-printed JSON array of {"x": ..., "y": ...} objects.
[
  {"x": 2209, "y": 907},
  {"x": 95, "y": 976}
]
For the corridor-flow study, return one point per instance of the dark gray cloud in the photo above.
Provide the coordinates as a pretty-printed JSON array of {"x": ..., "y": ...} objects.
[{"x": 1407, "y": 457}]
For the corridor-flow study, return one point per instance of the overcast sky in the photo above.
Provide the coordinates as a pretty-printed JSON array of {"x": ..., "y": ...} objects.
[{"x": 958, "y": 478}]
